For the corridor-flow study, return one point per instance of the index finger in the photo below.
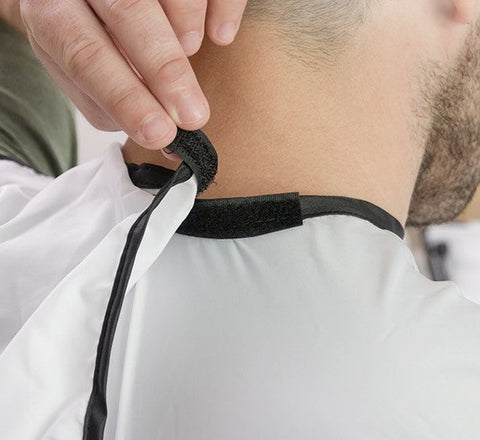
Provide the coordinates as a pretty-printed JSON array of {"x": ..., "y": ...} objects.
[
  {"x": 223, "y": 19},
  {"x": 81, "y": 48},
  {"x": 145, "y": 34}
]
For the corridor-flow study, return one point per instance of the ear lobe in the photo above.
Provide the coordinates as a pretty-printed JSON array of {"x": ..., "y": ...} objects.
[{"x": 465, "y": 11}]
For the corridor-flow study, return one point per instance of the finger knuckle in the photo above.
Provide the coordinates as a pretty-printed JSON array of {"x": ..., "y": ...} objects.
[
  {"x": 192, "y": 6},
  {"x": 81, "y": 52},
  {"x": 172, "y": 70},
  {"x": 118, "y": 8},
  {"x": 123, "y": 100}
]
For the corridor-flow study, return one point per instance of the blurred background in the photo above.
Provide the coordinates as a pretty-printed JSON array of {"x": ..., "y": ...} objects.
[{"x": 93, "y": 142}]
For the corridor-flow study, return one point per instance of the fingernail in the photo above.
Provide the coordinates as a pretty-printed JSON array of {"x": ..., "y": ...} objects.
[
  {"x": 155, "y": 127},
  {"x": 169, "y": 154},
  {"x": 226, "y": 32},
  {"x": 191, "y": 108},
  {"x": 191, "y": 42}
]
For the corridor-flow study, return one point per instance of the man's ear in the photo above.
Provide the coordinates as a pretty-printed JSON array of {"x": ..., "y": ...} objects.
[{"x": 465, "y": 11}]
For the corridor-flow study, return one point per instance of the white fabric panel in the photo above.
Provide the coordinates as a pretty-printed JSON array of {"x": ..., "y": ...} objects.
[
  {"x": 63, "y": 222},
  {"x": 321, "y": 331},
  {"x": 46, "y": 370},
  {"x": 18, "y": 185}
]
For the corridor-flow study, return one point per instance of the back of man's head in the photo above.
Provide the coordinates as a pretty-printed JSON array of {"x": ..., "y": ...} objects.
[{"x": 385, "y": 93}]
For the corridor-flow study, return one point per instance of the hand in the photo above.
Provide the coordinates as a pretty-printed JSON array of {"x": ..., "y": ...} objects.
[{"x": 124, "y": 62}]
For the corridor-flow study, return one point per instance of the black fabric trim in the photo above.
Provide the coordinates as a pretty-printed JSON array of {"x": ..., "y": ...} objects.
[
  {"x": 230, "y": 218},
  {"x": 96, "y": 414},
  {"x": 149, "y": 176},
  {"x": 315, "y": 206}
]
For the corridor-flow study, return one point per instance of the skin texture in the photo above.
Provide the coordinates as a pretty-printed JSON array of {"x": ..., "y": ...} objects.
[{"x": 397, "y": 112}]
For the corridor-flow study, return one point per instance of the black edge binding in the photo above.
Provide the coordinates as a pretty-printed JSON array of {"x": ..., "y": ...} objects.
[
  {"x": 316, "y": 206},
  {"x": 197, "y": 150},
  {"x": 243, "y": 217},
  {"x": 240, "y": 217}
]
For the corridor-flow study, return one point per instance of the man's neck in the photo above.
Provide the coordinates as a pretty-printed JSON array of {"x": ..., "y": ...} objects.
[{"x": 279, "y": 127}]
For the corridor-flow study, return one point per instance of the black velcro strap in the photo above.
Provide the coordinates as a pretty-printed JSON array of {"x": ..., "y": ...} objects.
[
  {"x": 243, "y": 217},
  {"x": 198, "y": 153}
]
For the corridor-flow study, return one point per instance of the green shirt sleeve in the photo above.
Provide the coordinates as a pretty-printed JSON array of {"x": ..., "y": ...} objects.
[{"x": 37, "y": 125}]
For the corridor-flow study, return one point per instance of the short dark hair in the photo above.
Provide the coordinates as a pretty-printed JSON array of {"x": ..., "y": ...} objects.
[{"x": 317, "y": 30}]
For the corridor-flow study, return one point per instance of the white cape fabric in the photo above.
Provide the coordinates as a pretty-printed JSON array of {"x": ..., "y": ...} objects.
[
  {"x": 321, "y": 331},
  {"x": 52, "y": 355}
]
